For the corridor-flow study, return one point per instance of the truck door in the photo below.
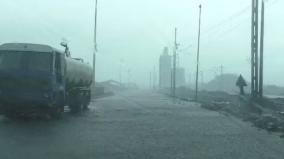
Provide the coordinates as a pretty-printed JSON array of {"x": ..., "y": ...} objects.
[{"x": 60, "y": 68}]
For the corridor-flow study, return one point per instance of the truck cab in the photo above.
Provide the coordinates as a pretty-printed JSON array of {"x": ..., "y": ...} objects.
[{"x": 32, "y": 77}]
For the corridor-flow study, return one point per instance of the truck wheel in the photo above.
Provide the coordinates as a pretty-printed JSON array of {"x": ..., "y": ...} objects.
[
  {"x": 86, "y": 101},
  {"x": 76, "y": 105},
  {"x": 58, "y": 108},
  {"x": 75, "y": 108},
  {"x": 56, "y": 112}
]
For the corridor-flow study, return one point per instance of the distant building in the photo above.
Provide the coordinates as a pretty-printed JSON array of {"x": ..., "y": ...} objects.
[{"x": 165, "y": 69}]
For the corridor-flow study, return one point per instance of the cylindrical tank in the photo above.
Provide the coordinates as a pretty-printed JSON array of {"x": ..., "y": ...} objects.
[{"x": 78, "y": 73}]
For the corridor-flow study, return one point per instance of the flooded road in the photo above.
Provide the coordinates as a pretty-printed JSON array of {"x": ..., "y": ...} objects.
[{"x": 138, "y": 125}]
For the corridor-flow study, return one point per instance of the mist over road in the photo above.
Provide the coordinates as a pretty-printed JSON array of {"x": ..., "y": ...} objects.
[{"x": 138, "y": 125}]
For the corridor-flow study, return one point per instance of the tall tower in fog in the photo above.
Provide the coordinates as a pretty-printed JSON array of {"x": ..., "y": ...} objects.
[{"x": 165, "y": 69}]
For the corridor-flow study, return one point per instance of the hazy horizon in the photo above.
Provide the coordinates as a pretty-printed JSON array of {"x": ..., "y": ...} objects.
[{"x": 132, "y": 34}]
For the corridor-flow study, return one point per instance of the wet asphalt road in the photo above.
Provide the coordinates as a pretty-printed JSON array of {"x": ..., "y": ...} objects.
[{"x": 138, "y": 125}]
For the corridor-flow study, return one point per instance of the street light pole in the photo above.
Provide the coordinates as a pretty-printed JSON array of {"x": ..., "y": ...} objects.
[{"x": 198, "y": 48}]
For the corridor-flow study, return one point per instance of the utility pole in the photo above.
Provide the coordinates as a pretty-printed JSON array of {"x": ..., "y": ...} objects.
[
  {"x": 257, "y": 62},
  {"x": 171, "y": 82},
  {"x": 254, "y": 50},
  {"x": 221, "y": 70},
  {"x": 95, "y": 44},
  {"x": 198, "y": 49},
  {"x": 174, "y": 64},
  {"x": 261, "y": 51}
]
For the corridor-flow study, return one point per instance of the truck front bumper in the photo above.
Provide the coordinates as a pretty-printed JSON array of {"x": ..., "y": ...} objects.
[{"x": 26, "y": 100}]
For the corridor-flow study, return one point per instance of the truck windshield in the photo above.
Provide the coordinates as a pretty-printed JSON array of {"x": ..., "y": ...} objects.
[
  {"x": 29, "y": 60},
  {"x": 10, "y": 60},
  {"x": 39, "y": 61}
]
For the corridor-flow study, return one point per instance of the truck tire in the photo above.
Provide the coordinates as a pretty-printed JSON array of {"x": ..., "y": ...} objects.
[
  {"x": 58, "y": 108},
  {"x": 87, "y": 100},
  {"x": 76, "y": 103},
  {"x": 56, "y": 112}
]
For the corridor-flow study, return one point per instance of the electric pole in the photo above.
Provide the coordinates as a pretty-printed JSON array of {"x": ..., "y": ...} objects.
[
  {"x": 198, "y": 49},
  {"x": 95, "y": 44},
  {"x": 257, "y": 61},
  {"x": 171, "y": 92},
  {"x": 174, "y": 65},
  {"x": 254, "y": 49},
  {"x": 221, "y": 70},
  {"x": 261, "y": 51}
]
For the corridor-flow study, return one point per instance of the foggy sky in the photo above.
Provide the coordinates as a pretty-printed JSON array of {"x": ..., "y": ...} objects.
[{"x": 132, "y": 33}]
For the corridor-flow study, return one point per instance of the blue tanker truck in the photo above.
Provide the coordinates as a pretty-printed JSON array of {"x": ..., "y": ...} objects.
[{"x": 40, "y": 78}]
